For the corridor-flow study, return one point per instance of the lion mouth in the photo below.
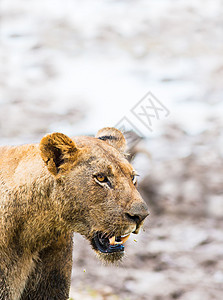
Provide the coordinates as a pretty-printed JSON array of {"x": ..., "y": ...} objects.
[{"x": 109, "y": 244}]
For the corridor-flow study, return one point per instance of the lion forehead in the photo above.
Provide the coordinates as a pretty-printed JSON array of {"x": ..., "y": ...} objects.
[{"x": 97, "y": 153}]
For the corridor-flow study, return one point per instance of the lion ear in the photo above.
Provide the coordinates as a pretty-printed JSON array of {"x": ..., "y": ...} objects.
[
  {"x": 112, "y": 136},
  {"x": 57, "y": 150}
]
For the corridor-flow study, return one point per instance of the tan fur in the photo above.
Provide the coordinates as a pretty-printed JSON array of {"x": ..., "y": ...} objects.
[{"x": 47, "y": 192}]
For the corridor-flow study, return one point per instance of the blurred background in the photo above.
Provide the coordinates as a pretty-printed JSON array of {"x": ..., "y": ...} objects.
[{"x": 77, "y": 66}]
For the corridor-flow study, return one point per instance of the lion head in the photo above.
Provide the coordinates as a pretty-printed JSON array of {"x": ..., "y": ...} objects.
[{"x": 96, "y": 187}]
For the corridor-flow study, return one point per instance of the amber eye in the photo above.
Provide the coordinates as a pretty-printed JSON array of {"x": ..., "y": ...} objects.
[{"x": 101, "y": 178}]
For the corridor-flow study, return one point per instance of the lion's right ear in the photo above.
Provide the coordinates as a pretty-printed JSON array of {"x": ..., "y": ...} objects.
[
  {"x": 57, "y": 150},
  {"x": 113, "y": 137}
]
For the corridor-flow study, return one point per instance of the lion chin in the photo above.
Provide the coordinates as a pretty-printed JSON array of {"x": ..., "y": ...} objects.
[{"x": 111, "y": 258}]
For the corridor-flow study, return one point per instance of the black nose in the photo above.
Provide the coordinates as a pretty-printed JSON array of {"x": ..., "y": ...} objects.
[{"x": 138, "y": 213}]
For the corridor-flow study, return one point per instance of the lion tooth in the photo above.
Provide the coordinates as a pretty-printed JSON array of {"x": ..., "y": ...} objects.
[
  {"x": 112, "y": 240},
  {"x": 124, "y": 235},
  {"x": 124, "y": 238}
]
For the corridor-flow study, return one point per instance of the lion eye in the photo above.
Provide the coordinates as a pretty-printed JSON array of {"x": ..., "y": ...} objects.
[
  {"x": 134, "y": 179},
  {"x": 101, "y": 178}
]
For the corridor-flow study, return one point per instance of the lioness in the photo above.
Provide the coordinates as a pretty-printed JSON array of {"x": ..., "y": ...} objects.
[{"x": 52, "y": 189}]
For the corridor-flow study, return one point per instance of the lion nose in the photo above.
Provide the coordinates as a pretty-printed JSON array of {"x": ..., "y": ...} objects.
[{"x": 138, "y": 213}]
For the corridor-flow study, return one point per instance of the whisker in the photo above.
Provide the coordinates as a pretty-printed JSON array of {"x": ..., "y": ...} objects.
[{"x": 103, "y": 235}]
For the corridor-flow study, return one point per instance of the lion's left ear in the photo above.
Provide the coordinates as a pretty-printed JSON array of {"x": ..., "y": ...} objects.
[
  {"x": 112, "y": 136},
  {"x": 57, "y": 151}
]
